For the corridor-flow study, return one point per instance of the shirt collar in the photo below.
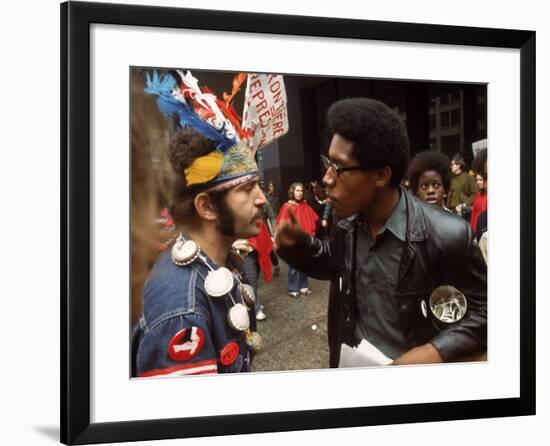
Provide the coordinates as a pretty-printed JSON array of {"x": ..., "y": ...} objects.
[{"x": 397, "y": 223}]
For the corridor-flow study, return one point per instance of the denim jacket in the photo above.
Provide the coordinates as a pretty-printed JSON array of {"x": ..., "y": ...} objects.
[{"x": 179, "y": 314}]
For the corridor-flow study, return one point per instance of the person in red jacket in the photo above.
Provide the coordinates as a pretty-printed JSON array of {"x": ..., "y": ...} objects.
[
  {"x": 479, "y": 224},
  {"x": 297, "y": 207},
  {"x": 480, "y": 201}
]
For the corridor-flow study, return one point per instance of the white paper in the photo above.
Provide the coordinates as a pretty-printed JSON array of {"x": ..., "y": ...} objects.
[{"x": 364, "y": 355}]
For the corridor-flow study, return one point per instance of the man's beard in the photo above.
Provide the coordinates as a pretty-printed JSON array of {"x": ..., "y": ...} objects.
[{"x": 226, "y": 220}]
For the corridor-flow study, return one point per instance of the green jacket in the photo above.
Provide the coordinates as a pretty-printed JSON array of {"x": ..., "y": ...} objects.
[{"x": 463, "y": 189}]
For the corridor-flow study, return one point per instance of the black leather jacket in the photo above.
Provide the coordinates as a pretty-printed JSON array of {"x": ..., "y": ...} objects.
[{"x": 439, "y": 250}]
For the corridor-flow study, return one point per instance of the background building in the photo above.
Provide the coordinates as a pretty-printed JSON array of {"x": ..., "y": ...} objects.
[{"x": 442, "y": 116}]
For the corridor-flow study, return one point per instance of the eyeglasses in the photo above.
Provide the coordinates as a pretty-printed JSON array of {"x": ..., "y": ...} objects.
[{"x": 327, "y": 163}]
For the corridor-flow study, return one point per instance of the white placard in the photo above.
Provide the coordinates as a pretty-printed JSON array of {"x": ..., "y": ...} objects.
[{"x": 265, "y": 108}]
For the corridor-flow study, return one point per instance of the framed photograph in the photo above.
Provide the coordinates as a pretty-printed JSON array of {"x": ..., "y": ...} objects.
[{"x": 457, "y": 90}]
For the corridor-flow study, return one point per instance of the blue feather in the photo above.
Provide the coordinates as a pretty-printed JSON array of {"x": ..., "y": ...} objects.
[
  {"x": 160, "y": 86},
  {"x": 168, "y": 105}
]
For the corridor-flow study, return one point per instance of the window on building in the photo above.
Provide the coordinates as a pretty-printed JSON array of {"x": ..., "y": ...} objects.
[
  {"x": 455, "y": 117},
  {"x": 455, "y": 96},
  {"x": 444, "y": 98},
  {"x": 445, "y": 119},
  {"x": 432, "y": 122},
  {"x": 450, "y": 145}
]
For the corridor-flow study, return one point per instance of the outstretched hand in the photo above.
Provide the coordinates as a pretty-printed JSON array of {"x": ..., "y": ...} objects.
[{"x": 288, "y": 231}]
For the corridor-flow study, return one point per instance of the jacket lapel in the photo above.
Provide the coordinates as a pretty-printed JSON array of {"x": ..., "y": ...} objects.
[
  {"x": 416, "y": 232},
  {"x": 407, "y": 257},
  {"x": 348, "y": 225}
]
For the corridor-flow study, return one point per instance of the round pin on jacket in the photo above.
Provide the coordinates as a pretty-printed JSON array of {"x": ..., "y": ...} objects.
[
  {"x": 185, "y": 252},
  {"x": 229, "y": 353},
  {"x": 248, "y": 294},
  {"x": 253, "y": 340},
  {"x": 219, "y": 282},
  {"x": 238, "y": 318}
]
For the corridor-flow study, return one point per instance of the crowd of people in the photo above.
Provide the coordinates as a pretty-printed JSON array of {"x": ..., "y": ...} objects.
[
  {"x": 436, "y": 179},
  {"x": 398, "y": 240}
]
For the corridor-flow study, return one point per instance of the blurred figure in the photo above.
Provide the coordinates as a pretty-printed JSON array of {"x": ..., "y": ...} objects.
[
  {"x": 273, "y": 197},
  {"x": 151, "y": 188},
  {"x": 480, "y": 201},
  {"x": 463, "y": 187},
  {"x": 479, "y": 166},
  {"x": 317, "y": 200},
  {"x": 297, "y": 209},
  {"x": 269, "y": 216},
  {"x": 429, "y": 177}
]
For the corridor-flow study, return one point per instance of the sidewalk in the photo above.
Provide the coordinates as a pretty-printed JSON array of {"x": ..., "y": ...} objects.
[{"x": 294, "y": 334}]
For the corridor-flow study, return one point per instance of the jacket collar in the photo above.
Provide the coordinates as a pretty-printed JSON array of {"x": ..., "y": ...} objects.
[
  {"x": 348, "y": 224},
  {"x": 417, "y": 229}
]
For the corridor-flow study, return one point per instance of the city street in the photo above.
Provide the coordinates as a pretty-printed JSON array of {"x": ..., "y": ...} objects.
[{"x": 294, "y": 334}]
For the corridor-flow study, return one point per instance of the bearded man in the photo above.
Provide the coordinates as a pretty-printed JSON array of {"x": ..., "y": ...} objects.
[{"x": 197, "y": 316}]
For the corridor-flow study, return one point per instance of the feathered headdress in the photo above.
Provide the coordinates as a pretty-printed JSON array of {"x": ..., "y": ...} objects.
[{"x": 232, "y": 162}]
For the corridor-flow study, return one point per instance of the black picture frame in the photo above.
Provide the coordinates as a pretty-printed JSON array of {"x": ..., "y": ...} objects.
[{"x": 76, "y": 19}]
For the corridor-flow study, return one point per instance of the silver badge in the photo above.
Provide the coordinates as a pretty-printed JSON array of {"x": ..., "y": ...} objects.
[
  {"x": 238, "y": 318},
  {"x": 184, "y": 251},
  {"x": 253, "y": 340},
  {"x": 447, "y": 304},
  {"x": 219, "y": 282},
  {"x": 248, "y": 294}
]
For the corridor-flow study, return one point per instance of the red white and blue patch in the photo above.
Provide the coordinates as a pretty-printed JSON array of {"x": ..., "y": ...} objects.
[{"x": 186, "y": 344}]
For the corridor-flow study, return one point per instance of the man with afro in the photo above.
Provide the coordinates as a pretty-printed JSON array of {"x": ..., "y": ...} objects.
[{"x": 389, "y": 251}]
